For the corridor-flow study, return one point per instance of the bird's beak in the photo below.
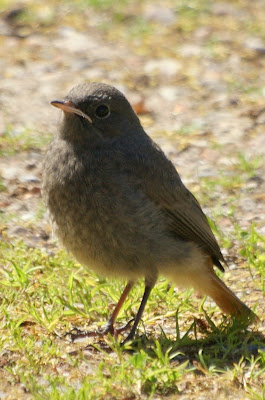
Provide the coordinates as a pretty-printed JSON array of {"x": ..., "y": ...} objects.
[{"x": 69, "y": 107}]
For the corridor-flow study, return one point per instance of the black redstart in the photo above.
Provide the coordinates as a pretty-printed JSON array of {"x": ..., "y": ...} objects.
[{"x": 119, "y": 206}]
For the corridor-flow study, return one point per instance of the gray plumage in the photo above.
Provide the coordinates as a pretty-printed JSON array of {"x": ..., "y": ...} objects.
[{"x": 118, "y": 204}]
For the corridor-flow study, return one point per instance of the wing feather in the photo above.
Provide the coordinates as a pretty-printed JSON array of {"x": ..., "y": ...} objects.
[{"x": 164, "y": 187}]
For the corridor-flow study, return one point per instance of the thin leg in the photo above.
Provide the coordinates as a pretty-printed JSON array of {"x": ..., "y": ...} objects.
[
  {"x": 109, "y": 325},
  {"x": 147, "y": 291},
  {"x": 77, "y": 334}
]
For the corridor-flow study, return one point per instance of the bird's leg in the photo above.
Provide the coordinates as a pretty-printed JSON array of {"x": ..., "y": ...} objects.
[
  {"x": 77, "y": 334},
  {"x": 109, "y": 328},
  {"x": 147, "y": 291}
]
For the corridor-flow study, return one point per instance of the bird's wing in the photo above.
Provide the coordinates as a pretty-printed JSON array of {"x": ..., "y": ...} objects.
[
  {"x": 163, "y": 186},
  {"x": 188, "y": 221}
]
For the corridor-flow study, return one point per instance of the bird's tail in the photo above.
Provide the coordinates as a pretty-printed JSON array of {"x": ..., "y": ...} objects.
[
  {"x": 200, "y": 275},
  {"x": 212, "y": 286},
  {"x": 206, "y": 282},
  {"x": 227, "y": 300}
]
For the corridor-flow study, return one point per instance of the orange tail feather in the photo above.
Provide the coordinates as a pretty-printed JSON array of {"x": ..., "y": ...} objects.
[{"x": 227, "y": 300}]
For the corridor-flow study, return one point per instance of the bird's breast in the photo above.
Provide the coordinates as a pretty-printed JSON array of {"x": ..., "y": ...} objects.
[{"x": 102, "y": 216}]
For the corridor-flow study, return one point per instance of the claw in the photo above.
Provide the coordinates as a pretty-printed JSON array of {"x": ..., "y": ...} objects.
[{"x": 76, "y": 333}]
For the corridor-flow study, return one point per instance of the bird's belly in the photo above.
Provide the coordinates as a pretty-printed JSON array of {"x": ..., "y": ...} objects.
[
  {"x": 106, "y": 234},
  {"x": 116, "y": 232}
]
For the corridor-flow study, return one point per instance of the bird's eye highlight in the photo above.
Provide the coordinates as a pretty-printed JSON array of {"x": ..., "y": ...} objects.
[{"x": 102, "y": 111}]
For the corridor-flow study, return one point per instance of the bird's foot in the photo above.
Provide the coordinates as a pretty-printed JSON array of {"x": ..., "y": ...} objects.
[{"x": 76, "y": 333}]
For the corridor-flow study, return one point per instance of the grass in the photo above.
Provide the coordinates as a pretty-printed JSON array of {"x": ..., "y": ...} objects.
[
  {"x": 230, "y": 179},
  {"x": 2, "y": 186},
  {"x": 252, "y": 249},
  {"x": 13, "y": 141},
  {"x": 184, "y": 348},
  {"x": 43, "y": 296}
]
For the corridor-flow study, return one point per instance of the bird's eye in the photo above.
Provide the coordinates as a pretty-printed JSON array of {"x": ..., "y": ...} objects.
[{"x": 102, "y": 111}]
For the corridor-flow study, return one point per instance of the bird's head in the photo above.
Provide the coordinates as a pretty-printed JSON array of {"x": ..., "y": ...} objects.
[{"x": 96, "y": 111}]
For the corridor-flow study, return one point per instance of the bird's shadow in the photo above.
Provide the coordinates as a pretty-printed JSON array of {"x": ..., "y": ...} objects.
[{"x": 204, "y": 345}]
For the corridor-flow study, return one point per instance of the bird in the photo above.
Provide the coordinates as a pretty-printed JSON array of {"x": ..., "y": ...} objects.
[{"x": 117, "y": 203}]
